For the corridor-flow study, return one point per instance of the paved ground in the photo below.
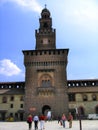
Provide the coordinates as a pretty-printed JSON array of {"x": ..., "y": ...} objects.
[{"x": 86, "y": 125}]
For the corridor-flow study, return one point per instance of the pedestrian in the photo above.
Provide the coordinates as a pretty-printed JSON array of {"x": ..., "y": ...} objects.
[
  {"x": 63, "y": 119},
  {"x": 42, "y": 119},
  {"x": 36, "y": 120},
  {"x": 29, "y": 121},
  {"x": 59, "y": 119},
  {"x": 70, "y": 119},
  {"x": 49, "y": 115}
]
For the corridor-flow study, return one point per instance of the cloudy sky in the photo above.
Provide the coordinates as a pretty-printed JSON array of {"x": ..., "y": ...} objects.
[{"x": 76, "y": 24}]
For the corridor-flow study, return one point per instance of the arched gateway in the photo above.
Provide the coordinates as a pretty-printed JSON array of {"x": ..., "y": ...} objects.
[
  {"x": 45, "y": 109},
  {"x": 46, "y": 78}
]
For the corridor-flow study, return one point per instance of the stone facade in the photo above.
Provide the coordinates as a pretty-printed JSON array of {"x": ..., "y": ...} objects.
[
  {"x": 46, "y": 80},
  {"x": 12, "y": 101},
  {"x": 83, "y": 94}
]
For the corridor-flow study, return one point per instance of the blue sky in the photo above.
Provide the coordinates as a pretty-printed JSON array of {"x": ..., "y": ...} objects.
[{"x": 76, "y": 24}]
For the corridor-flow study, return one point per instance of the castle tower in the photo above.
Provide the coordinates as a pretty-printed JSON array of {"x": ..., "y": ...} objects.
[
  {"x": 45, "y": 71},
  {"x": 45, "y": 35}
]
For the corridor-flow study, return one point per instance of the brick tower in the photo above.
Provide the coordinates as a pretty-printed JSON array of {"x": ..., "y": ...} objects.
[{"x": 45, "y": 71}]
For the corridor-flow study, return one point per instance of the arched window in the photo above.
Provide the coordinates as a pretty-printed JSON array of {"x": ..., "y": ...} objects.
[
  {"x": 45, "y": 25},
  {"x": 46, "y": 81},
  {"x": 85, "y": 98},
  {"x": 94, "y": 98}
]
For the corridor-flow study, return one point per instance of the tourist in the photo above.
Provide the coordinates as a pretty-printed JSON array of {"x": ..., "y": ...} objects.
[
  {"x": 42, "y": 119},
  {"x": 49, "y": 115},
  {"x": 29, "y": 121},
  {"x": 63, "y": 119},
  {"x": 70, "y": 118},
  {"x": 59, "y": 119},
  {"x": 36, "y": 119}
]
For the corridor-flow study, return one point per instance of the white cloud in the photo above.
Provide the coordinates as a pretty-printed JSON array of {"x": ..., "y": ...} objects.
[
  {"x": 32, "y": 5},
  {"x": 8, "y": 68},
  {"x": 82, "y": 12}
]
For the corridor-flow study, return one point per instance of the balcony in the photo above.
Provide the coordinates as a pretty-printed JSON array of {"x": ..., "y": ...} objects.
[{"x": 50, "y": 89}]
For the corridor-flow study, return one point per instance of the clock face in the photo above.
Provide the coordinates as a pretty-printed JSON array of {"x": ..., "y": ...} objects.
[{"x": 45, "y": 41}]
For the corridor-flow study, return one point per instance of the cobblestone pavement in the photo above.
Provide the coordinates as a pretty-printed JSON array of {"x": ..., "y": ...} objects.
[{"x": 52, "y": 125}]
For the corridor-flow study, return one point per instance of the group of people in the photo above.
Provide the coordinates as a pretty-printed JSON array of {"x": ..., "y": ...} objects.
[
  {"x": 36, "y": 119},
  {"x": 62, "y": 120},
  {"x": 42, "y": 118}
]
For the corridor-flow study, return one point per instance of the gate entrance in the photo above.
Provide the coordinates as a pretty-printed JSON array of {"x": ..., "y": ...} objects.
[{"x": 45, "y": 109}]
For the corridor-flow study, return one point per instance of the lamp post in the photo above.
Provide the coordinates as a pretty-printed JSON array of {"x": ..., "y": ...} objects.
[
  {"x": 80, "y": 121},
  {"x": 79, "y": 115}
]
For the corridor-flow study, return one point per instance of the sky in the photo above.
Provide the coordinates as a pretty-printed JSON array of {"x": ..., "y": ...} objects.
[{"x": 76, "y": 24}]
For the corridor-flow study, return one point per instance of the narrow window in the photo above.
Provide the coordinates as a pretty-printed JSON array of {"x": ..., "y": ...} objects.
[
  {"x": 21, "y": 105},
  {"x": 21, "y": 98},
  {"x": 12, "y": 98},
  {"x": 11, "y": 106},
  {"x": 4, "y": 99}
]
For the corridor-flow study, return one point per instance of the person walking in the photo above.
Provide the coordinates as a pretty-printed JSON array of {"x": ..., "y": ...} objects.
[
  {"x": 49, "y": 115},
  {"x": 29, "y": 121},
  {"x": 59, "y": 119},
  {"x": 42, "y": 119},
  {"x": 36, "y": 120},
  {"x": 70, "y": 119},
  {"x": 63, "y": 119}
]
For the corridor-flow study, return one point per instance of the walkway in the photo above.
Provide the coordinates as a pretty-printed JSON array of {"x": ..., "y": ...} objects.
[{"x": 52, "y": 125}]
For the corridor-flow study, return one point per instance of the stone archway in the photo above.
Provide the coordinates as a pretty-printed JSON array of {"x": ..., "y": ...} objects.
[{"x": 45, "y": 108}]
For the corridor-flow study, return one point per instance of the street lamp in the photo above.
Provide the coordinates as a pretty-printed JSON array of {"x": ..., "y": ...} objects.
[{"x": 79, "y": 115}]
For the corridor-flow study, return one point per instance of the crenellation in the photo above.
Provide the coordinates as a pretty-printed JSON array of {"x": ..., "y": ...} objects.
[{"x": 46, "y": 52}]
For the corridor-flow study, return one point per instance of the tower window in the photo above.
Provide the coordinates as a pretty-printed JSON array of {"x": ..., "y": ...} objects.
[
  {"x": 46, "y": 83},
  {"x": 45, "y": 16},
  {"x": 45, "y": 25}
]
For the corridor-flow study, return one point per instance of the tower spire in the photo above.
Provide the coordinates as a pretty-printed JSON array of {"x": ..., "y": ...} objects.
[
  {"x": 45, "y": 6},
  {"x": 45, "y": 36}
]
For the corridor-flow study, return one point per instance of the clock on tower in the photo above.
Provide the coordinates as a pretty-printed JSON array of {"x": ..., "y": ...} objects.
[{"x": 45, "y": 40}]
